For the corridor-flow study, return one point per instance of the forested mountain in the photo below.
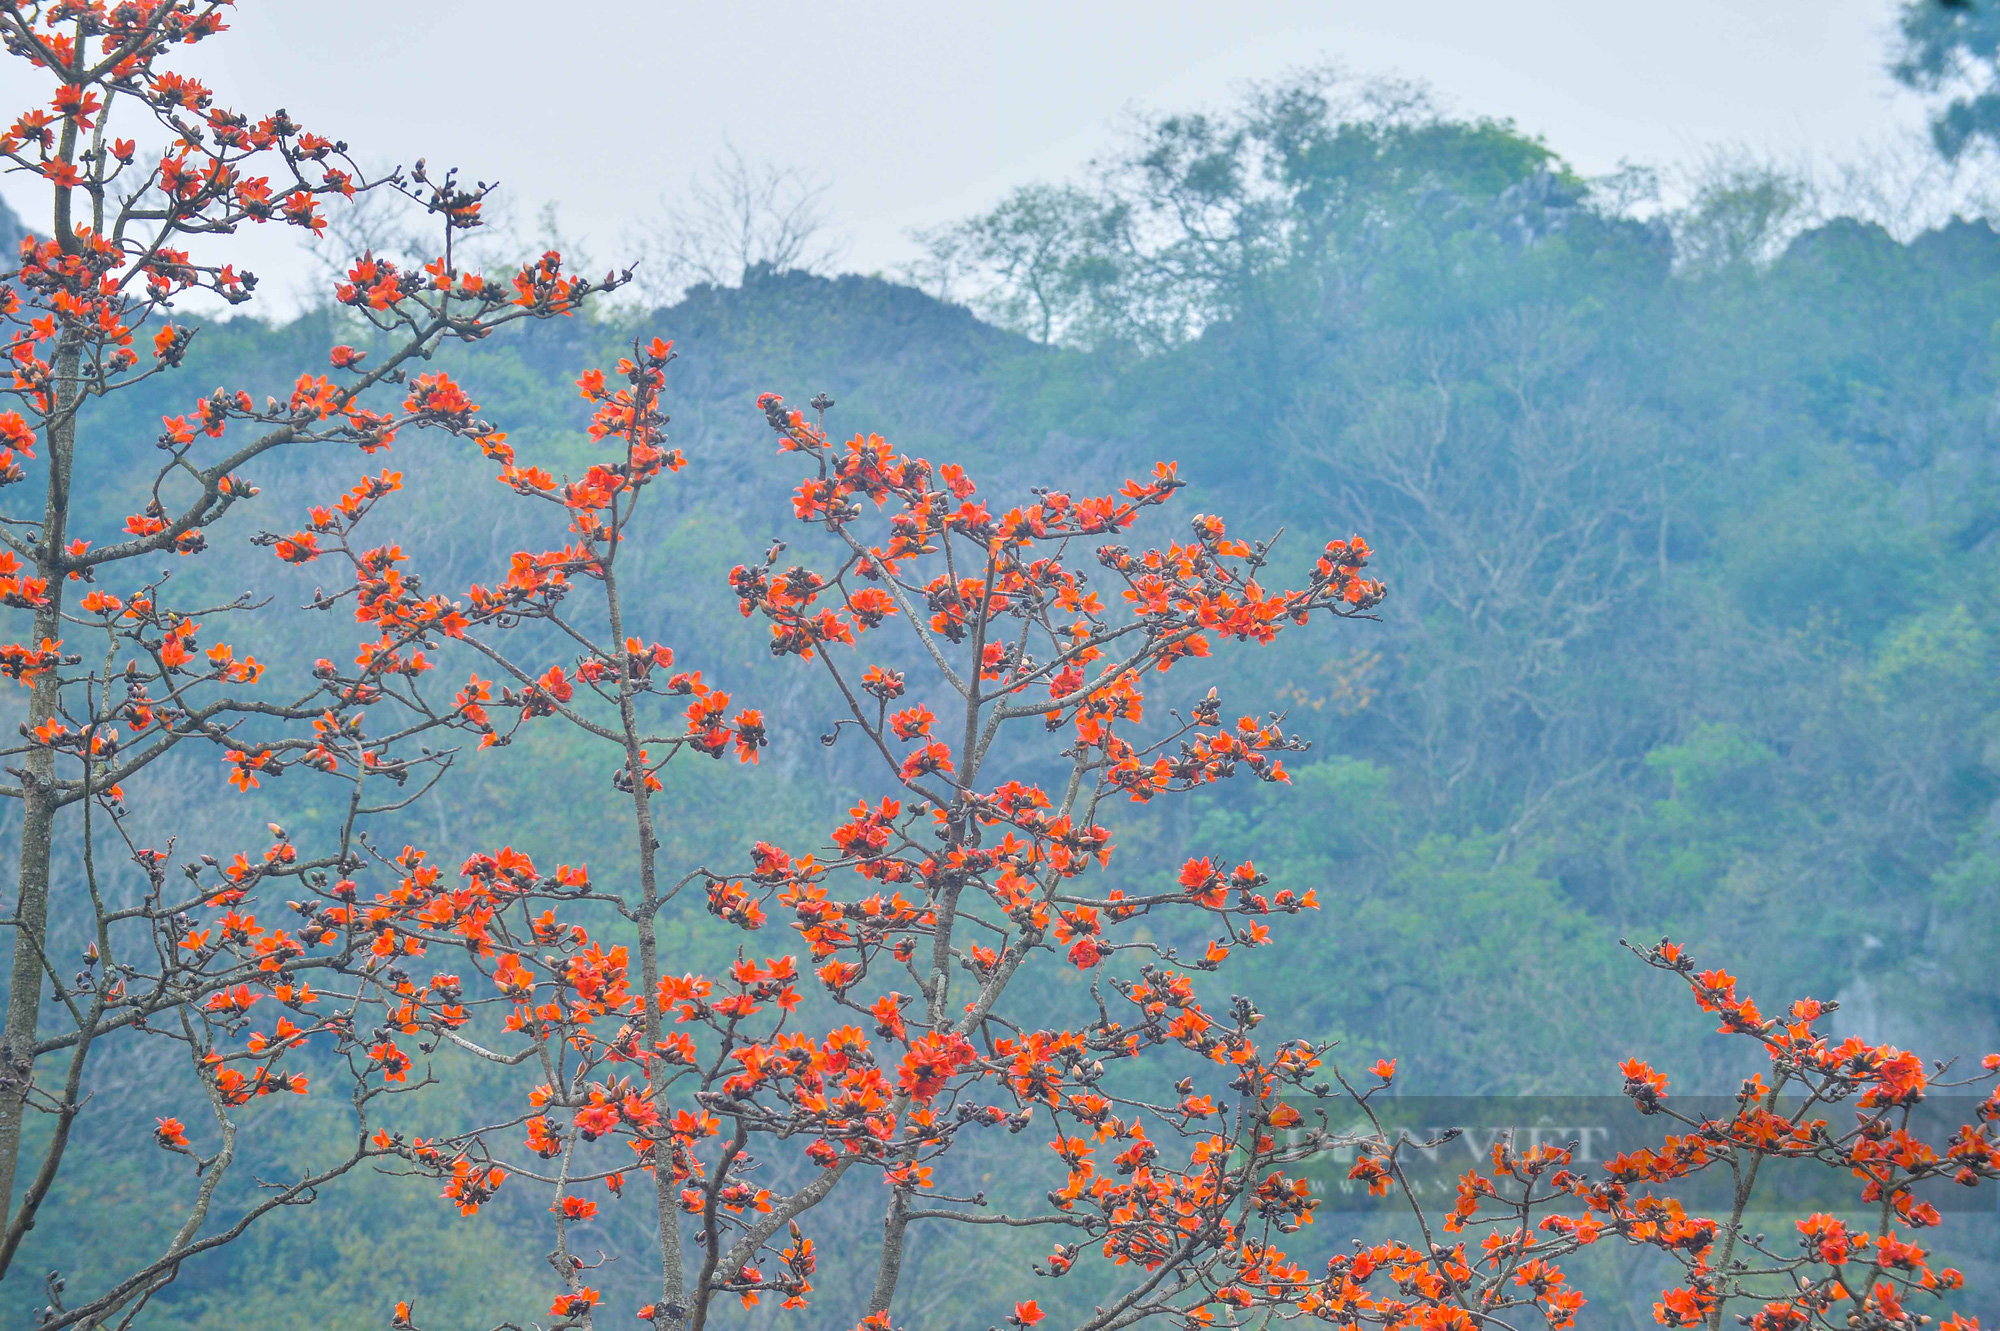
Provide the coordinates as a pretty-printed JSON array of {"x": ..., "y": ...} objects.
[{"x": 1691, "y": 527}]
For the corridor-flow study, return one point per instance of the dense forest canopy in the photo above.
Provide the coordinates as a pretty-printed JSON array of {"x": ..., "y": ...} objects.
[
  {"x": 1688, "y": 514},
  {"x": 1691, "y": 523}
]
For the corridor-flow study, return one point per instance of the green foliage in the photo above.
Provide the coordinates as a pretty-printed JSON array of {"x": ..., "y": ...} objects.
[{"x": 1952, "y": 49}]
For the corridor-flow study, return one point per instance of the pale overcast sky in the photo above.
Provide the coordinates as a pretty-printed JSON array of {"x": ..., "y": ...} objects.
[{"x": 920, "y": 113}]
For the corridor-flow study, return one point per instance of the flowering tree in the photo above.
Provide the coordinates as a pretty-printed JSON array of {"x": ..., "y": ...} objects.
[
  {"x": 954, "y": 962},
  {"x": 120, "y": 672},
  {"x": 966, "y": 869}
]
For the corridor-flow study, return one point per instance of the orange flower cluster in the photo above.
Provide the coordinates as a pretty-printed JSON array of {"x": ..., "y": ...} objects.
[{"x": 1538, "y": 1207}]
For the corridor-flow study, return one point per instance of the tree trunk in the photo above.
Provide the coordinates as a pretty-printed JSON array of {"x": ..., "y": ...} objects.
[{"x": 31, "y": 911}]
